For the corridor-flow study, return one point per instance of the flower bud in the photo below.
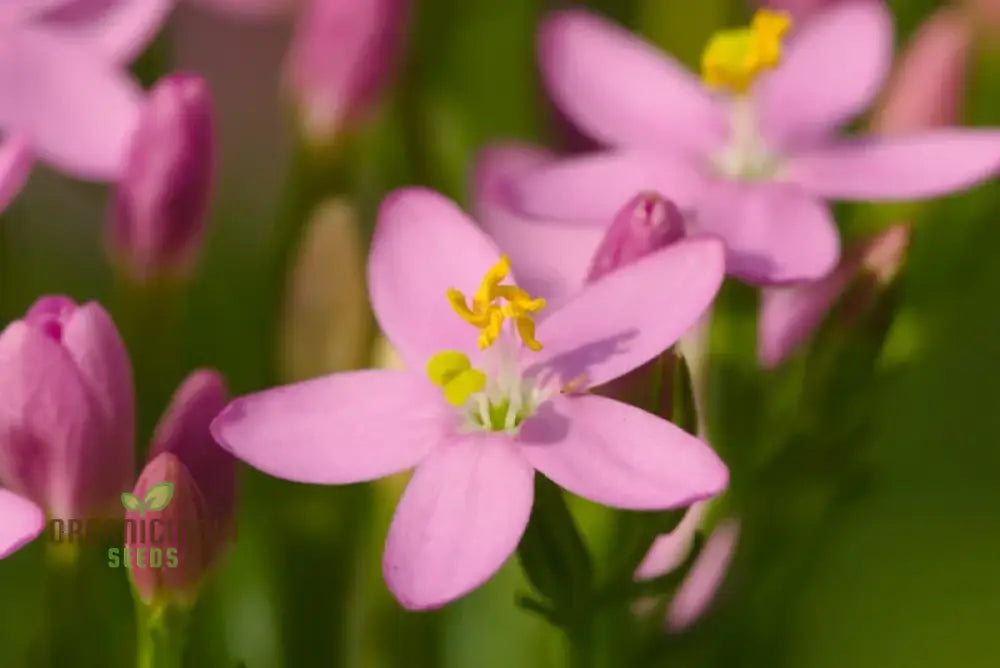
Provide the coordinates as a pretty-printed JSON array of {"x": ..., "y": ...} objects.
[
  {"x": 790, "y": 314},
  {"x": 194, "y": 525},
  {"x": 647, "y": 223},
  {"x": 66, "y": 434},
  {"x": 343, "y": 53},
  {"x": 161, "y": 202},
  {"x": 707, "y": 574},
  {"x": 927, "y": 87}
]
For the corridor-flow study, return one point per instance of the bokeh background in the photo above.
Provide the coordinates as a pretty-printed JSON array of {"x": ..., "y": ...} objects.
[{"x": 893, "y": 562}]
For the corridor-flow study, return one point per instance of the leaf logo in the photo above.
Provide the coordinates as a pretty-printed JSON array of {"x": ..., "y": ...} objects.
[{"x": 157, "y": 498}]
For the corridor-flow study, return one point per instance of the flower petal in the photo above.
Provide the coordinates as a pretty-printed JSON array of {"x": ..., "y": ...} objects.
[
  {"x": 594, "y": 187},
  {"x": 620, "y": 456},
  {"x": 15, "y": 164},
  {"x": 909, "y": 167},
  {"x": 77, "y": 112},
  {"x": 832, "y": 70},
  {"x": 623, "y": 91},
  {"x": 612, "y": 326},
  {"x": 529, "y": 241},
  {"x": 461, "y": 516},
  {"x": 705, "y": 578},
  {"x": 117, "y": 29},
  {"x": 20, "y": 522},
  {"x": 338, "y": 429},
  {"x": 774, "y": 233},
  {"x": 670, "y": 550},
  {"x": 423, "y": 245}
]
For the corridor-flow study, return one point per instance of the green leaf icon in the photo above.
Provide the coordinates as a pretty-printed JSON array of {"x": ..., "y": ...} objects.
[
  {"x": 158, "y": 496},
  {"x": 132, "y": 502}
]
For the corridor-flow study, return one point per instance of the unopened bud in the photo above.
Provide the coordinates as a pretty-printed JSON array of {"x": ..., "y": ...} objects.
[
  {"x": 647, "y": 223},
  {"x": 161, "y": 203},
  {"x": 343, "y": 53}
]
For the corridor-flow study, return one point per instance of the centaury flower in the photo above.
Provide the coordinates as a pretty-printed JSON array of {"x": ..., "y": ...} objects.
[
  {"x": 750, "y": 149},
  {"x": 495, "y": 388},
  {"x": 63, "y": 85}
]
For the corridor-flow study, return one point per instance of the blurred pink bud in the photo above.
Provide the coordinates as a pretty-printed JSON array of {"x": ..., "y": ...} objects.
[
  {"x": 66, "y": 433},
  {"x": 647, "y": 223},
  {"x": 197, "y": 522},
  {"x": 790, "y": 314},
  {"x": 927, "y": 86},
  {"x": 708, "y": 573},
  {"x": 162, "y": 200},
  {"x": 342, "y": 55},
  {"x": 670, "y": 550},
  {"x": 15, "y": 164}
]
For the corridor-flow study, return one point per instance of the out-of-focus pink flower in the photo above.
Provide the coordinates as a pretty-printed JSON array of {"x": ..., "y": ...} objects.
[
  {"x": 790, "y": 314},
  {"x": 476, "y": 412},
  {"x": 63, "y": 85},
  {"x": 162, "y": 199},
  {"x": 20, "y": 522},
  {"x": 251, "y": 9},
  {"x": 342, "y": 55},
  {"x": 927, "y": 86},
  {"x": 755, "y": 166},
  {"x": 15, "y": 164},
  {"x": 196, "y": 522},
  {"x": 66, "y": 432},
  {"x": 698, "y": 590}
]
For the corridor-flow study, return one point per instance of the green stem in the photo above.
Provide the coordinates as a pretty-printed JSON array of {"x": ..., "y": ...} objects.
[{"x": 160, "y": 629}]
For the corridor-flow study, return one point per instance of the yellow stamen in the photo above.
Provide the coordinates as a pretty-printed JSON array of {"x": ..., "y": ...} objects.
[
  {"x": 735, "y": 58},
  {"x": 452, "y": 371},
  {"x": 488, "y": 316}
]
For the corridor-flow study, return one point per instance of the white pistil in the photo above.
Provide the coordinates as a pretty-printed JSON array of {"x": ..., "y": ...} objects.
[{"x": 747, "y": 156}]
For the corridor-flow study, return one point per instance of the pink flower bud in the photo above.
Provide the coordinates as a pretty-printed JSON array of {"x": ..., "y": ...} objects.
[
  {"x": 647, "y": 223},
  {"x": 790, "y": 314},
  {"x": 162, "y": 200},
  {"x": 196, "y": 524},
  {"x": 66, "y": 431},
  {"x": 927, "y": 86},
  {"x": 707, "y": 574},
  {"x": 342, "y": 54}
]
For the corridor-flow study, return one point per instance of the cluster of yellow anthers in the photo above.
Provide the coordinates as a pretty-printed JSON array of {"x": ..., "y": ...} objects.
[
  {"x": 489, "y": 316},
  {"x": 734, "y": 58}
]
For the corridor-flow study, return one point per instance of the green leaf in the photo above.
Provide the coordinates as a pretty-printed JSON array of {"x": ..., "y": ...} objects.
[
  {"x": 158, "y": 496},
  {"x": 131, "y": 502}
]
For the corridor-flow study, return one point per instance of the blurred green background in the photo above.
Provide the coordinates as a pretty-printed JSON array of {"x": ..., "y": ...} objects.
[{"x": 899, "y": 568}]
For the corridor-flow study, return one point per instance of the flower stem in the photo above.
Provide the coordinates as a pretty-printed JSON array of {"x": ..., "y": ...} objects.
[{"x": 160, "y": 629}]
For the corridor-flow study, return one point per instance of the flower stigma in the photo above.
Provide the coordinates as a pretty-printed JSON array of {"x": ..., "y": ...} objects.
[{"x": 733, "y": 59}]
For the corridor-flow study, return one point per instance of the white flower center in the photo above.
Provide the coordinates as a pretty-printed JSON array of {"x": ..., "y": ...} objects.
[{"x": 746, "y": 157}]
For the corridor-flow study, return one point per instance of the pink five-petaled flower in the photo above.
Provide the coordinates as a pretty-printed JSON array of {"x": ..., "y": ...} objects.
[
  {"x": 476, "y": 413},
  {"x": 64, "y": 90},
  {"x": 66, "y": 423},
  {"x": 755, "y": 160}
]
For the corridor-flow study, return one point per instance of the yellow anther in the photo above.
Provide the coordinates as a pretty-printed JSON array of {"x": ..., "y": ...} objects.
[
  {"x": 734, "y": 58},
  {"x": 489, "y": 316},
  {"x": 452, "y": 371}
]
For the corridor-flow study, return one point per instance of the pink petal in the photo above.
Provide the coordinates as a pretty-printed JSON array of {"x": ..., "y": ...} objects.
[
  {"x": 51, "y": 432},
  {"x": 118, "y": 30},
  {"x": 529, "y": 241},
  {"x": 832, "y": 70},
  {"x": 909, "y": 167},
  {"x": 15, "y": 164},
  {"x": 596, "y": 186},
  {"x": 20, "y": 522},
  {"x": 338, "y": 429},
  {"x": 631, "y": 315},
  {"x": 77, "y": 111},
  {"x": 619, "y": 455},
  {"x": 423, "y": 245},
  {"x": 623, "y": 91},
  {"x": 705, "y": 578},
  {"x": 670, "y": 550},
  {"x": 774, "y": 233},
  {"x": 461, "y": 516},
  {"x": 17, "y": 11}
]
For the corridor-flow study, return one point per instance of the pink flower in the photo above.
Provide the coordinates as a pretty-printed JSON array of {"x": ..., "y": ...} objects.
[
  {"x": 63, "y": 85},
  {"x": 756, "y": 165},
  {"x": 66, "y": 428},
  {"x": 476, "y": 412}
]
